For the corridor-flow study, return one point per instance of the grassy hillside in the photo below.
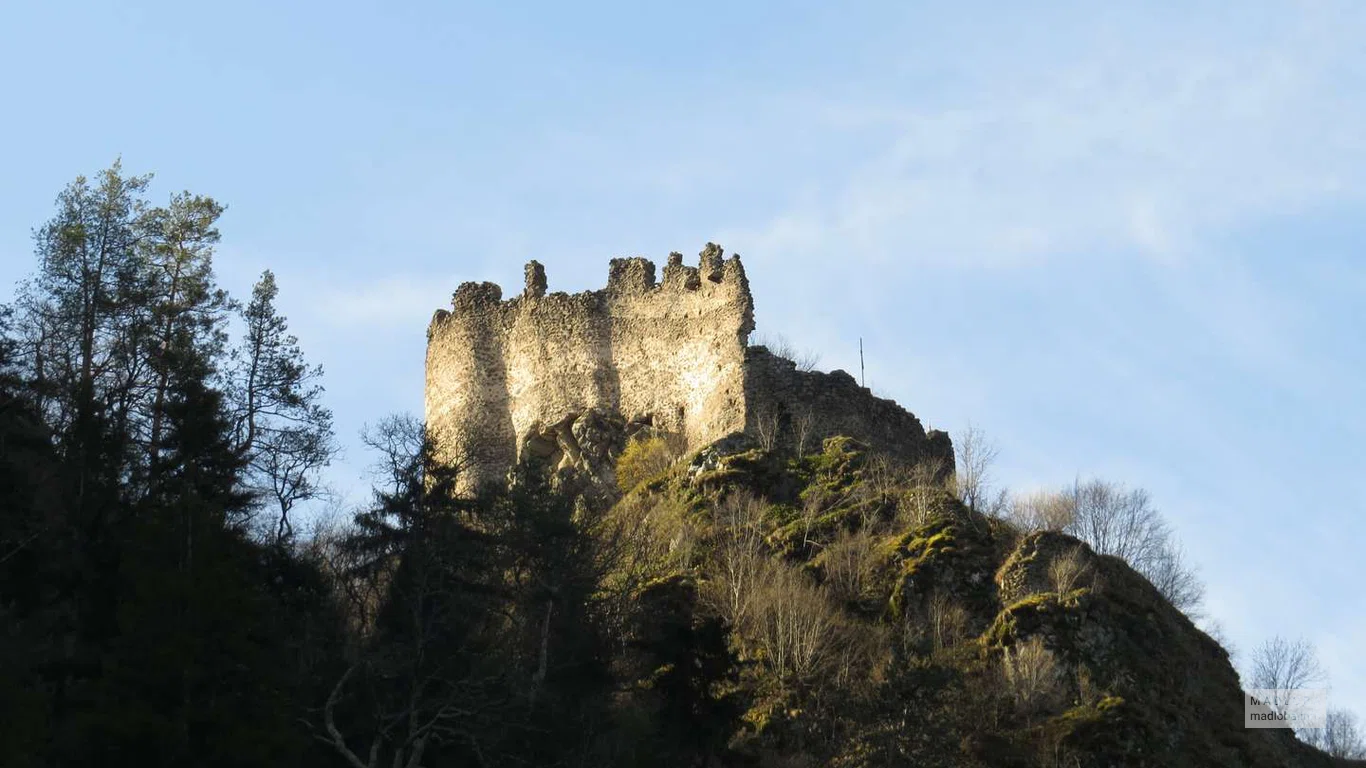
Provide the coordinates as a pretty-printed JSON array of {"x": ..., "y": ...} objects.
[{"x": 875, "y": 620}]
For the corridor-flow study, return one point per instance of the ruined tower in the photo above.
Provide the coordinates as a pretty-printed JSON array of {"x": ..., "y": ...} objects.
[
  {"x": 670, "y": 352},
  {"x": 507, "y": 378}
]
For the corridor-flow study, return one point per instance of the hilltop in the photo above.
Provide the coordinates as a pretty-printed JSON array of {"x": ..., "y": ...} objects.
[
  {"x": 797, "y": 578},
  {"x": 878, "y": 621}
]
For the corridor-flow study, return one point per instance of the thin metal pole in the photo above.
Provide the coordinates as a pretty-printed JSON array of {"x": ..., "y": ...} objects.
[{"x": 862, "y": 379}]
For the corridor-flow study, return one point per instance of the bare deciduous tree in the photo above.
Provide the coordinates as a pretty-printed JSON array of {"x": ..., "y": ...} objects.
[
  {"x": 767, "y": 427},
  {"x": 795, "y": 624},
  {"x": 813, "y": 506},
  {"x": 1033, "y": 675},
  {"x": 883, "y": 480},
  {"x": 740, "y": 556},
  {"x": 948, "y": 621},
  {"x": 1067, "y": 571},
  {"x": 850, "y": 565},
  {"x": 1118, "y": 521},
  {"x": 925, "y": 486},
  {"x": 803, "y": 429},
  {"x": 1284, "y": 666},
  {"x": 1176, "y": 579},
  {"x": 780, "y": 346},
  {"x": 1340, "y": 737},
  {"x": 976, "y": 455},
  {"x": 1042, "y": 511}
]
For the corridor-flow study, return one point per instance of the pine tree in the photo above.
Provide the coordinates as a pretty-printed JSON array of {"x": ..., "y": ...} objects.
[
  {"x": 280, "y": 425},
  {"x": 186, "y": 311},
  {"x": 78, "y": 312},
  {"x": 142, "y": 623},
  {"x": 427, "y": 680}
]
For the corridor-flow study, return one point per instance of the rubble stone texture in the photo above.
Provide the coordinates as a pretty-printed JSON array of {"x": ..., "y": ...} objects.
[{"x": 505, "y": 376}]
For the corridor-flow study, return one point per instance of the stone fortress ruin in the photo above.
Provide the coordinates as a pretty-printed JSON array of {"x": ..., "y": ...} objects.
[{"x": 566, "y": 379}]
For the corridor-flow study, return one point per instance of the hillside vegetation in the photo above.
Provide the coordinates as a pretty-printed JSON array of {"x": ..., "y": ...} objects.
[{"x": 877, "y": 620}]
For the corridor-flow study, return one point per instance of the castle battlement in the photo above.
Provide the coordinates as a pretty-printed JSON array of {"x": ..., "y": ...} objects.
[
  {"x": 508, "y": 377},
  {"x": 670, "y": 353}
]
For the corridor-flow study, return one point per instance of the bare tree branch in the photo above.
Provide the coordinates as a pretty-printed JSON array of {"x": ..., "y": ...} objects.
[{"x": 338, "y": 741}]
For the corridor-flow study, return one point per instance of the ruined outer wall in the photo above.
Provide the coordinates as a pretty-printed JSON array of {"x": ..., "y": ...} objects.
[
  {"x": 672, "y": 352},
  {"x": 819, "y": 405}
]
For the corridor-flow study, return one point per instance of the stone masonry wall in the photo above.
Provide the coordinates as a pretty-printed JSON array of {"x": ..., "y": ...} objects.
[
  {"x": 532, "y": 375},
  {"x": 812, "y": 405},
  {"x": 668, "y": 352}
]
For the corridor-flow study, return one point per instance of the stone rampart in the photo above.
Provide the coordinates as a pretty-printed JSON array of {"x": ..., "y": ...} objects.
[{"x": 549, "y": 374}]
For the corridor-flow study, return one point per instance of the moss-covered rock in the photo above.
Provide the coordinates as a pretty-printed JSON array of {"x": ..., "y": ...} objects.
[
  {"x": 1030, "y": 567},
  {"x": 837, "y": 467},
  {"x": 736, "y": 463},
  {"x": 950, "y": 556}
]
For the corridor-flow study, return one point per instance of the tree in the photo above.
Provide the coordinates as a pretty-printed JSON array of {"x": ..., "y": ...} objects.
[
  {"x": 849, "y": 565},
  {"x": 804, "y": 428},
  {"x": 131, "y": 604},
  {"x": 923, "y": 489},
  {"x": 1285, "y": 666},
  {"x": 82, "y": 317},
  {"x": 1067, "y": 571},
  {"x": 768, "y": 426},
  {"x": 124, "y": 292},
  {"x": 688, "y": 665},
  {"x": 1121, "y": 522},
  {"x": 795, "y": 625},
  {"x": 1176, "y": 578},
  {"x": 976, "y": 456},
  {"x": 186, "y": 310},
  {"x": 1043, "y": 511},
  {"x": 281, "y": 427},
  {"x": 423, "y": 680},
  {"x": 1033, "y": 675},
  {"x": 1118, "y": 521},
  {"x": 780, "y": 346},
  {"x": 739, "y": 557},
  {"x": 1340, "y": 737},
  {"x": 476, "y": 620}
]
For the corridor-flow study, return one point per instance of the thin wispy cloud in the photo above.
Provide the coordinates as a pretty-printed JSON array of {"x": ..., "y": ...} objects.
[{"x": 1132, "y": 155}]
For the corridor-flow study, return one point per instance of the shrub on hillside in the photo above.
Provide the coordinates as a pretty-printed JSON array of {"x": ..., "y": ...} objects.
[{"x": 642, "y": 460}]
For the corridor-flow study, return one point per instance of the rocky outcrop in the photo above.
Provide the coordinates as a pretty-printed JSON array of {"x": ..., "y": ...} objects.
[{"x": 582, "y": 445}]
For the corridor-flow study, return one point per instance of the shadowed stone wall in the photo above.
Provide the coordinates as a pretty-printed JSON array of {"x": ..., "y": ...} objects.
[
  {"x": 537, "y": 374},
  {"x": 811, "y": 406},
  {"x": 667, "y": 352}
]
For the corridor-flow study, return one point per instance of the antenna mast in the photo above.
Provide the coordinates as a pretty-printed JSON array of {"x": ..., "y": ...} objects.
[{"x": 862, "y": 379}]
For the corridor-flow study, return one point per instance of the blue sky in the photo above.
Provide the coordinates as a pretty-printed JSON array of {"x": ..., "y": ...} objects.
[{"x": 1125, "y": 239}]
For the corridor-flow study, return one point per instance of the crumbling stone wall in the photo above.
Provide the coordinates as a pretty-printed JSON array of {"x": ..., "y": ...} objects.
[
  {"x": 504, "y": 375},
  {"x": 810, "y": 406},
  {"x": 555, "y": 376}
]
